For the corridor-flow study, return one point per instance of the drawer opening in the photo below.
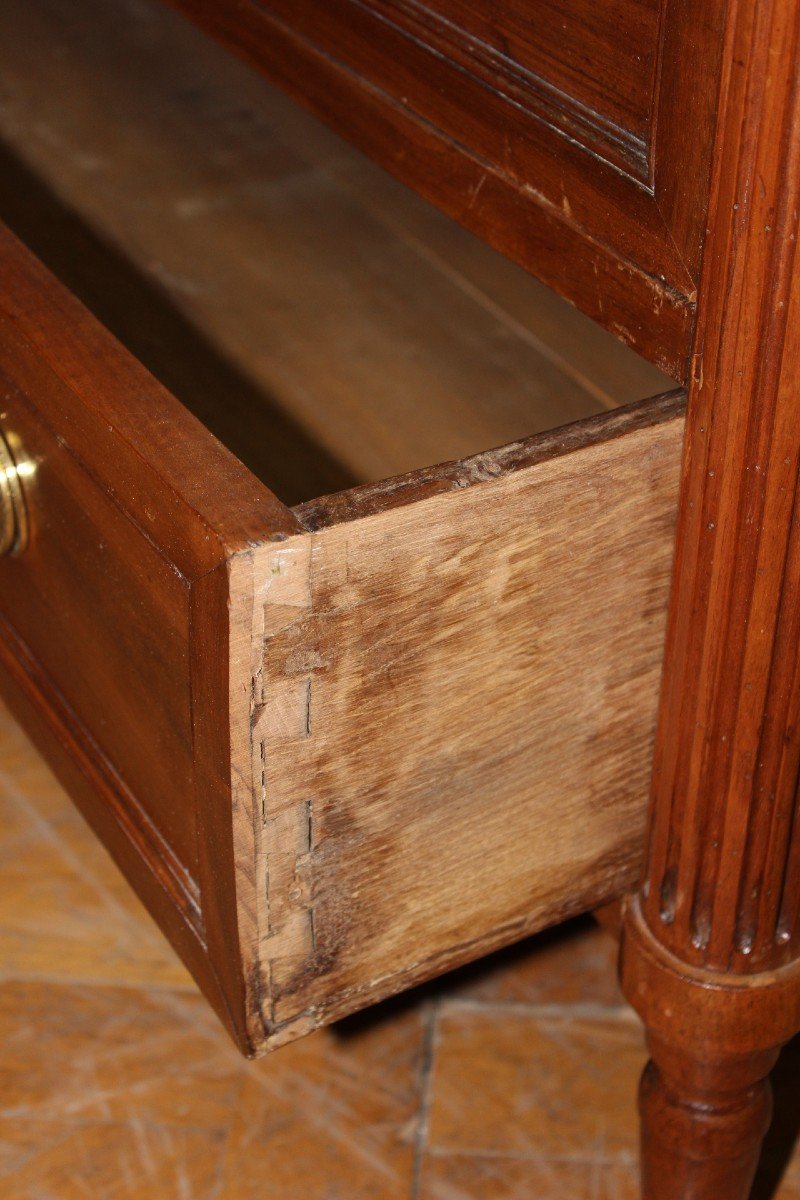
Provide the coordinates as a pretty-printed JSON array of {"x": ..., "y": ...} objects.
[{"x": 330, "y": 327}]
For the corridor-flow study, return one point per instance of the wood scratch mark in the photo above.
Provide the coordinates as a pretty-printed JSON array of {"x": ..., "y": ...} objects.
[{"x": 476, "y": 191}]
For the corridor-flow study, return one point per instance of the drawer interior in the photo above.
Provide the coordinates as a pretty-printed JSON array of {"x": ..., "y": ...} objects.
[{"x": 326, "y": 324}]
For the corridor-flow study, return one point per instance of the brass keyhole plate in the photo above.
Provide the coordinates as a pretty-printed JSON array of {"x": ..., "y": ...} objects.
[{"x": 13, "y": 511}]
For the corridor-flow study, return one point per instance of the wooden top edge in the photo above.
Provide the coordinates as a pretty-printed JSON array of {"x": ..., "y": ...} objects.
[{"x": 371, "y": 498}]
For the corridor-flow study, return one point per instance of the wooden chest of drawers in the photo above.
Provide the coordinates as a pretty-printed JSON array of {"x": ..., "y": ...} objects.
[
  {"x": 322, "y": 739},
  {"x": 342, "y": 744}
]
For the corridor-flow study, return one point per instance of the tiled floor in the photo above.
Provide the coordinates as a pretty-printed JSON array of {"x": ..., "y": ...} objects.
[{"x": 512, "y": 1080}]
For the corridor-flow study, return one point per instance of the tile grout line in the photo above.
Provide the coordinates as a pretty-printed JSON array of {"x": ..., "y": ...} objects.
[
  {"x": 552, "y": 1010},
  {"x": 622, "y": 1158},
  {"x": 426, "y": 1097}
]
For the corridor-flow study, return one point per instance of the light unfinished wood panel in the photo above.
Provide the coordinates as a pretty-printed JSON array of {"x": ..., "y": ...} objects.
[{"x": 443, "y": 713}]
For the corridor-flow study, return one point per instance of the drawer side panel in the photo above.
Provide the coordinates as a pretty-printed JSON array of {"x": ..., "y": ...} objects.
[{"x": 453, "y": 719}]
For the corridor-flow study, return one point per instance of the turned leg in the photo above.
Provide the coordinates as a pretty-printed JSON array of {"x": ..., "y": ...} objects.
[
  {"x": 705, "y": 1099},
  {"x": 703, "y": 1123},
  {"x": 711, "y": 942}
]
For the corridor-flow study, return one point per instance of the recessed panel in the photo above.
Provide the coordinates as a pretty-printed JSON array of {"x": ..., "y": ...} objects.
[
  {"x": 588, "y": 69},
  {"x": 573, "y": 137}
]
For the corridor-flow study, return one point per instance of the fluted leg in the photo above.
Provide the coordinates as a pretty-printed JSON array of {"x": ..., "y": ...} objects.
[{"x": 712, "y": 940}]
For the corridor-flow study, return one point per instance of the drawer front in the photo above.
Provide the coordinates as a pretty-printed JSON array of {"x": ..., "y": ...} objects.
[
  {"x": 574, "y": 137},
  {"x": 109, "y": 614}
]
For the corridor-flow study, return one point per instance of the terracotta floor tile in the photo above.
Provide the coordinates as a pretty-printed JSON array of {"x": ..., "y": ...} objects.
[
  {"x": 574, "y": 964},
  {"x": 513, "y": 1083},
  {"x": 87, "y": 1054},
  {"x": 110, "y": 1162},
  {"x": 466, "y": 1177},
  {"x": 66, "y": 911},
  {"x": 111, "y": 1093},
  {"x": 55, "y": 920},
  {"x": 330, "y": 1118},
  {"x": 23, "y": 773},
  {"x": 15, "y": 823}
]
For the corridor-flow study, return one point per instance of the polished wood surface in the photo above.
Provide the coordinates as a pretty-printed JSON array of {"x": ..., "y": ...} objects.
[
  {"x": 713, "y": 939},
  {"x": 580, "y": 154},
  {"x": 542, "y": 57}
]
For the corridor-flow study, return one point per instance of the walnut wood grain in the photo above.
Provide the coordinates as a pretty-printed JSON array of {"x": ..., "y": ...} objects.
[
  {"x": 540, "y": 60},
  {"x": 721, "y": 883},
  {"x": 720, "y": 895}
]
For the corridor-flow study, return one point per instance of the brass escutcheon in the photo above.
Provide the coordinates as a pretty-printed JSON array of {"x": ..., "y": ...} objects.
[{"x": 13, "y": 512}]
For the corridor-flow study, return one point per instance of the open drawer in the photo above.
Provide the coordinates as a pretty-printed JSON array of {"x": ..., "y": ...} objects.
[{"x": 342, "y": 746}]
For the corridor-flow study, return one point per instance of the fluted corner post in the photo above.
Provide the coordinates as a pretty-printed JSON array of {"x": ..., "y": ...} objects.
[{"x": 711, "y": 942}]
